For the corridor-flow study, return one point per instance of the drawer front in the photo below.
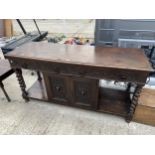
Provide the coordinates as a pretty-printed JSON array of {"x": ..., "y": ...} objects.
[
  {"x": 22, "y": 63},
  {"x": 83, "y": 71}
]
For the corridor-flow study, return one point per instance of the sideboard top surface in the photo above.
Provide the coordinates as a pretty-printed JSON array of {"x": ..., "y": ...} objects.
[{"x": 120, "y": 58}]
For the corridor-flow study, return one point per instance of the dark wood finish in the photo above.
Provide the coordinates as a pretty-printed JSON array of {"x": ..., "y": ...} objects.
[
  {"x": 128, "y": 87},
  {"x": 92, "y": 62},
  {"x": 4, "y": 91},
  {"x": 22, "y": 83},
  {"x": 57, "y": 86},
  {"x": 39, "y": 76},
  {"x": 118, "y": 58},
  {"x": 85, "y": 92},
  {"x": 109, "y": 101},
  {"x": 114, "y": 101},
  {"x": 5, "y": 72},
  {"x": 90, "y": 72},
  {"x": 80, "y": 92},
  {"x": 145, "y": 111},
  {"x": 71, "y": 73},
  {"x": 134, "y": 102}
]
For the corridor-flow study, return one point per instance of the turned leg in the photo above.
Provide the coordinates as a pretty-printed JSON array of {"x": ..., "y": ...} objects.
[
  {"x": 22, "y": 84},
  {"x": 39, "y": 76},
  {"x": 134, "y": 102},
  {"x": 128, "y": 87},
  {"x": 5, "y": 93}
]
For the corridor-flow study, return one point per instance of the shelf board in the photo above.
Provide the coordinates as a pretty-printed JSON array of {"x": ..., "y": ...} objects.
[
  {"x": 114, "y": 101},
  {"x": 110, "y": 101},
  {"x": 38, "y": 91}
]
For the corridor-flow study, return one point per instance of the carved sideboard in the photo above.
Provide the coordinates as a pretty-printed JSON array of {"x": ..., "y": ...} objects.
[{"x": 71, "y": 75}]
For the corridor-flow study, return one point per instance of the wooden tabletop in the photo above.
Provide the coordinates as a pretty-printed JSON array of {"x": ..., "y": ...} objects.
[{"x": 120, "y": 58}]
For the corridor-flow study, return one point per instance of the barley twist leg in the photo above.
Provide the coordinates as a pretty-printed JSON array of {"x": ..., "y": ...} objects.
[
  {"x": 22, "y": 84},
  {"x": 134, "y": 102}
]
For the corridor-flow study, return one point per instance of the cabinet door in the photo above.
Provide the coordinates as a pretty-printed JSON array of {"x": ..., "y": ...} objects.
[
  {"x": 57, "y": 88},
  {"x": 74, "y": 91},
  {"x": 85, "y": 93}
]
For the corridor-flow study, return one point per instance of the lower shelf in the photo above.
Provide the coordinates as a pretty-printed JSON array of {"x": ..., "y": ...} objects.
[
  {"x": 114, "y": 101},
  {"x": 38, "y": 91},
  {"x": 110, "y": 101}
]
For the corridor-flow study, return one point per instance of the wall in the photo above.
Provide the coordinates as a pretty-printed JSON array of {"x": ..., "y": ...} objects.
[{"x": 1, "y": 27}]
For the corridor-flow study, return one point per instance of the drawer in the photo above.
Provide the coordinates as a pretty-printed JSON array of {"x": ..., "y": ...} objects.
[
  {"x": 21, "y": 63},
  {"x": 81, "y": 71}
]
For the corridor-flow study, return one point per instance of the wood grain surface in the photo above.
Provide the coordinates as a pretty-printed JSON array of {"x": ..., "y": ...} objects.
[{"x": 120, "y": 58}]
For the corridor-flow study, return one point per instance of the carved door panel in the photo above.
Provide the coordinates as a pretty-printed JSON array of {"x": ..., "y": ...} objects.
[
  {"x": 57, "y": 88},
  {"x": 85, "y": 93},
  {"x": 74, "y": 91}
]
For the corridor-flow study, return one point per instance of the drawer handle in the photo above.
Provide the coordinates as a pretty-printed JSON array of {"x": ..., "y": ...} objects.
[
  {"x": 123, "y": 77},
  {"x": 83, "y": 93},
  {"x": 82, "y": 72},
  {"x": 56, "y": 69},
  {"x": 58, "y": 88}
]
